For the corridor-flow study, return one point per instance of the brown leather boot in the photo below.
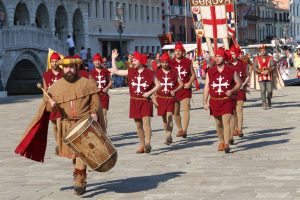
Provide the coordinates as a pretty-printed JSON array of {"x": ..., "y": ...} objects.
[
  {"x": 221, "y": 146},
  {"x": 181, "y": 133},
  {"x": 141, "y": 149},
  {"x": 79, "y": 181}
]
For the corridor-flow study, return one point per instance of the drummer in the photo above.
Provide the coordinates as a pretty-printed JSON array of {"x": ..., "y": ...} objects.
[{"x": 76, "y": 98}]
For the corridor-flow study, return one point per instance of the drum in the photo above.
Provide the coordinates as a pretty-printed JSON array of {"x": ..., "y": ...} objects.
[{"x": 90, "y": 143}]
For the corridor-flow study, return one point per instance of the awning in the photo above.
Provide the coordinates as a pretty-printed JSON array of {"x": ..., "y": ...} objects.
[{"x": 189, "y": 47}]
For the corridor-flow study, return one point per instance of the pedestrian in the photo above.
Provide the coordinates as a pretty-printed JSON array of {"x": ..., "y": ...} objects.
[
  {"x": 49, "y": 77},
  {"x": 165, "y": 96},
  {"x": 186, "y": 73},
  {"x": 143, "y": 84},
  {"x": 71, "y": 44},
  {"x": 221, "y": 83},
  {"x": 243, "y": 72},
  {"x": 264, "y": 66},
  {"x": 102, "y": 78}
]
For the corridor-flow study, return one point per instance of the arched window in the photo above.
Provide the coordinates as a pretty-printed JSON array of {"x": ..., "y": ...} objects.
[{"x": 21, "y": 16}]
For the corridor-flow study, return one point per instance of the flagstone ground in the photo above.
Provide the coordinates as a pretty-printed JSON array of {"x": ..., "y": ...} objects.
[{"x": 263, "y": 165}]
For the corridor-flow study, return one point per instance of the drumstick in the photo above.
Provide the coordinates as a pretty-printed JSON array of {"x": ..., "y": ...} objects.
[{"x": 39, "y": 85}]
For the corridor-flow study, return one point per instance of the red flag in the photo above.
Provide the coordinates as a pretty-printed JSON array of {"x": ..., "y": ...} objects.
[{"x": 34, "y": 142}]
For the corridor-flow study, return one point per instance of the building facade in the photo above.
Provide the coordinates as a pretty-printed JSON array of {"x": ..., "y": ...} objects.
[
  {"x": 178, "y": 20},
  {"x": 27, "y": 29},
  {"x": 295, "y": 19},
  {"x": 143, "y": 24}
]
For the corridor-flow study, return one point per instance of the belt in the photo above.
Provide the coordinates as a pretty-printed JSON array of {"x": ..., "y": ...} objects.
[
  {"x": 164, "y": 97},
  {"x": 70, "y": 119},
  {"x": 219, "y": 98},
  {"x": 139, "y": 98}
]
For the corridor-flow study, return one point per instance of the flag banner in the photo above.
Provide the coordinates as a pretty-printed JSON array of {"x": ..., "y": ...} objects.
[{"x": 214, "y": 19}]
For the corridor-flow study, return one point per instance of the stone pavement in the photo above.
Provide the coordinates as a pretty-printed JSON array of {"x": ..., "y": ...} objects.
[{"x": 264, "y": 165}]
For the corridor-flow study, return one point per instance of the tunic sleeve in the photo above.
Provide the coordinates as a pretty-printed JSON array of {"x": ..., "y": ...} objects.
[{"x": 95, "y": 103}]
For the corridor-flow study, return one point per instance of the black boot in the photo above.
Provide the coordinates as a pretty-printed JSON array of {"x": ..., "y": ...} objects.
[{"x": 269, "y": 103}]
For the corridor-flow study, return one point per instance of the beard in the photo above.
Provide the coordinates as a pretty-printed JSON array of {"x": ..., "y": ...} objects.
[{"x": 70, "y": 77}]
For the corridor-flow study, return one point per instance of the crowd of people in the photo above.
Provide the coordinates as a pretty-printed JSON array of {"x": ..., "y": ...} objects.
[{"x": 164, "y": 81}]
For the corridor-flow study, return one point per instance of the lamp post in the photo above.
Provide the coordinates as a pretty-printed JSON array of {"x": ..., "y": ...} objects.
[{"x": 120, "y": 24}]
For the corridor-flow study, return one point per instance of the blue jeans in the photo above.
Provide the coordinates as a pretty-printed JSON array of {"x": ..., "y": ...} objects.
[{"x": 118, "y": 81}]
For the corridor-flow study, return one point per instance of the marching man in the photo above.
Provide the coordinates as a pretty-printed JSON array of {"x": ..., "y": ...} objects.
[
  {"x": 242, "y": 70},
  {"x": 221, "y": 82},
  {"x": 170, "y": 83},
  {"x": 264, "y": 66},
  {"x": 142, "y": 84},
  {"x": 186, "y": 73},
  {"x": 50, "y": 77},
  {"x": 103, "y": 79}
]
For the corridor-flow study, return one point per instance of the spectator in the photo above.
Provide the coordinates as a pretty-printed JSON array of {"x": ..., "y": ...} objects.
[
  {"x": 289, "y": 57},
  {"x": 283, "y": 67},
  {"x": 298, "y": 72},
  {"x": 71, "y": 44},
  {"x": 89, "y": 59},
  {"x": 83, "y": 54},
  {"x": 119, "y": 80},
  {"x": 156, "y": 62}
]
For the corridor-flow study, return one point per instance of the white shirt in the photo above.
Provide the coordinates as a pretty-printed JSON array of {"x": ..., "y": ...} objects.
[
  {"x": 70, "y": 42},
  {"x": 83, "y": 54}
]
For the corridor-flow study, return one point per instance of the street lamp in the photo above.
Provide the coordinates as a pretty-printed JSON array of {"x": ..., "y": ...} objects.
[{"x": 120, "y": 24}]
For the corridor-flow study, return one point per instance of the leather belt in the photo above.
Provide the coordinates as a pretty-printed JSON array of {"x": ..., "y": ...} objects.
[
  {"x": 164, "y": 97},
  {"x": 219, "y": 98}
]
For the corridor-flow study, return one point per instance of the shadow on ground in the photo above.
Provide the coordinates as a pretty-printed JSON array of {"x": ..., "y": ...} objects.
[
  {"x": 128, "y": 185},
  {"x": 262, "y": 134}
]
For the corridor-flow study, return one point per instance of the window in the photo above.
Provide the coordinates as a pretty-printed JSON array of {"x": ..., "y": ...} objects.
[
  {"x": 142, "y": 13},
  {"x": 153, "y": 49},
  {"x": 136, "y": 48},
  {"x": 104, "y": 9},
  {"x": 125, "y": 11},
  {"x": 158, "y": 13},
  {"x": 111, "y": 10},
  {"x": 153, "y": 14},
  {"x": 130, "y": 14},
  {"x": 147, "y": 13},
  {"x": 89, "y": 9},
  {"x": 158, "y": 49},
  {"x": 142, "y": 49},
  {"x": 136, "y": 13},
  {"x": 96, "y": 8}
]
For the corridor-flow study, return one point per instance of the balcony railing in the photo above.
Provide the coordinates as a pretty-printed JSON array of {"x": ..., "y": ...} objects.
[{"x": 24, "y": 37}]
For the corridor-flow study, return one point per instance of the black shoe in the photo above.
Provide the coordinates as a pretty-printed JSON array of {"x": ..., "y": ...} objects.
[
  {"x": 269, "y": 103},
  {"x": 79, "y": 190},
  {"x": 227, "y": 148},
  {"x": 147, "y": 148},
  {"x": 241, "y": 135},
  {"x": 231, "y": 141}
]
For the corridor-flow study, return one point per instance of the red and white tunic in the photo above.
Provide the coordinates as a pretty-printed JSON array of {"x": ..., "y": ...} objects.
[
  {"x": 102, "y": 79},
  {"x": 219, "y": 84},
  {"x": 183, "y": 69},
  {"x": 169, "y": 82},
  {"x": 50, "y": 78},
  {"x": 139, "y": 83},
  {"x": 264, "y": 63},
  {"x": 241, "y": 70}
]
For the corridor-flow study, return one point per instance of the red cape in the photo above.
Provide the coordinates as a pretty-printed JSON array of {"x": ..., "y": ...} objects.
[{"x": 34, "y": 141}]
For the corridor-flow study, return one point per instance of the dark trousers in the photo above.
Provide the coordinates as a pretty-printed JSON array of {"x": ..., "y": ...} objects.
[
  {"x": 266, "y": 90},
  {"x": 71, "y": 51}
]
